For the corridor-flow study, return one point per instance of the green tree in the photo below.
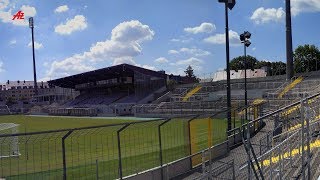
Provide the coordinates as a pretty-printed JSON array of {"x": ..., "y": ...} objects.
[
  {"x": 238, "y": 62},
  {"x": 306, "y": 58},
  {"x": 278, "y": 68},
  {"x": 273, "y": 68},
  {"x": 189, "y": 73}
]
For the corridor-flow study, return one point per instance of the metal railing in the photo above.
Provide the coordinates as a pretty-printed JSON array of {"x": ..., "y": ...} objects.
[
  {"x": 111, "y": 151},
  {"x": 282, "y": 145}
]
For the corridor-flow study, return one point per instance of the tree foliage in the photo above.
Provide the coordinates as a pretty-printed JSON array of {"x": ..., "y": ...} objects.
[
  {"x": 190, "y": 74},
  {"x": 238, "y": 62},
  {"x": 272, "y": 68},
  {"x": 306, "y": 58}
]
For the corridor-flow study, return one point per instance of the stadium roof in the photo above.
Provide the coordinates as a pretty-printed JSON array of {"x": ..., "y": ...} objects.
[{"x": 103, "y": 74}]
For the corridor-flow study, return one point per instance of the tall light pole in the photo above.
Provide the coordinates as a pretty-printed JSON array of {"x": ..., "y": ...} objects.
[
  {"x": 244, "y": 38},
  {"x": 228, "y": 4},
  {"x": 31, "y": 25},
  {"x": 289, "y": 68}
]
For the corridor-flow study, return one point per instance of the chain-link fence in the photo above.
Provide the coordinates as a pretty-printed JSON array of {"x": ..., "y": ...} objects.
[
  {"x": 117, "y": 151},
  {"x": 288, "y": 148}
]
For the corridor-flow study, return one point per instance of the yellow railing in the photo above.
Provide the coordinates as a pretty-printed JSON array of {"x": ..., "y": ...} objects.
[
  {"x": 294, "y": 152},
  {"x": 255, "y": 102},
  {"x": 190, "y": 93},
  {"x": 296, "y": 107},
  {"x": 290, "y": 86}
]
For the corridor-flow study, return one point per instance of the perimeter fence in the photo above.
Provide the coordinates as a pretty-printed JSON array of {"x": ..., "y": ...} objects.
[{"x": 114, "y": 151}]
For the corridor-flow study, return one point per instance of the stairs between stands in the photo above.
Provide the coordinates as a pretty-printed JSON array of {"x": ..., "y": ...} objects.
[
  {"x": 290, "y": 86},
  {"x": 190, "y": 93}
]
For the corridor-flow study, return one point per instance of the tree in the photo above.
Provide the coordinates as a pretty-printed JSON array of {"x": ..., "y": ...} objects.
[
  {"x": 278, "y": 68},
  {"x": 190, "y": 74},
  {"x": 238, "y": 62},
  {"x": 306, "y": 58}
]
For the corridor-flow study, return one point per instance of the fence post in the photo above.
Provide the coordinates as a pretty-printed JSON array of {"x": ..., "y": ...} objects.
[
  {"x": 64, "y": 154},
  {"x": 308, "y": 116},
  {"x": 302, "y": 137},
  {"x": 119, "y": 149},
  {"x": 203, "y": 163},
  {"x": 97, "y": 169},
  {"x": 233, "y": 170},
  {"x": 160, "y": 145},
  {"x": 190, "y": 146}
]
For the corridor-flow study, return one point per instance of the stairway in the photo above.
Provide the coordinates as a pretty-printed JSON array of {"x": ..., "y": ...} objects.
[
  {"x": 190, "y": 93},
  {"x": 290, "y": 86}
]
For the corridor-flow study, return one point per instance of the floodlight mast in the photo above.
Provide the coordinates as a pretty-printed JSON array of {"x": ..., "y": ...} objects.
[
  {"x": 289, "y": 67},
  {"x": 244, "y": 38},
  {"x": 228, "y": 4},
  {"x": 31, "y": 25}
]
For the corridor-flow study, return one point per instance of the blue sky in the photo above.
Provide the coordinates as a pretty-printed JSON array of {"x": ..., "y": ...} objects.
[{"x": 79, "y": 35}]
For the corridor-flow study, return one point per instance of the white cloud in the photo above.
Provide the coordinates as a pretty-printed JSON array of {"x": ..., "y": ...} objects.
[
  {"x": 191, "y": 61},
  {"x": 28, "y": 11},
  {"x": 78, "y": 23},
  {"x": 161, "y": 60},
  {"x": 36, "y": 45},
  {"x": 300, "y": 6},
  {"x": 6, "y": 16},
  {"x": 68, "y": 66},
  {"x": 149, "y": 67},
  {"x": 129, "y": 60},
  {"x": 1, "y": 67},
  {"x": 175, "y": 40},
  {"x": 254, "y": 48},
  {"x": 181, "y": 65},
  {"x": 195, "y": 51},
  {"x": 203, "y": 28},
  {"x": 124, "y": 45},
  {"x": 190, "y": 51},
  {"x": 125, "y": 59},
  {"x": 221, "y": 39},
  {"x": 133, "y": 31},
  {"x": 45, "y": 64},
  {"x": 12, "y": 42},
  {"x": 4, "y": 4},
  {"x": 173, "y": 51},
  {"x": 61, "y": 9},
  {"x": 181, "y": 40},
  {"x": 262, "y": 16}
]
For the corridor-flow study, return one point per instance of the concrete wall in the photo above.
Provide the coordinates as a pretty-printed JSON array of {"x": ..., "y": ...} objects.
[{"x": 179, "y": 167}]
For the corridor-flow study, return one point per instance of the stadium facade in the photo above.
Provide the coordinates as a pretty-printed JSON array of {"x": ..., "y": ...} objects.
[
  {"x": 19, "y": 90},
  {"x": 112, "y": 90}
]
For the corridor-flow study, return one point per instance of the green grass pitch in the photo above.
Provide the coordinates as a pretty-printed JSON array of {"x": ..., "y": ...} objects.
[{"x": 94, "y": 152}]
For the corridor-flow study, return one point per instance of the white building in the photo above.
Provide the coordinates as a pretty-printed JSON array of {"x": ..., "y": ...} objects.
[
  {"x": 222, "y": 75},
  {"x": 21, "y": 85}
]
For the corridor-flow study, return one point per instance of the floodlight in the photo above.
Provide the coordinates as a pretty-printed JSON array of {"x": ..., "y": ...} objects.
[
  {"x": 231, "y": 3},
  {"x": 247, "y": 43},
  {"x": 31, "y": 22},
  {"x": 242, "y": 38},
  {"x": 247, "y": 34}
]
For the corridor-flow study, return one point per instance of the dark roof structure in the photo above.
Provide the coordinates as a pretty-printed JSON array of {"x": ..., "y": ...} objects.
[{"x": 120, "y": 70}]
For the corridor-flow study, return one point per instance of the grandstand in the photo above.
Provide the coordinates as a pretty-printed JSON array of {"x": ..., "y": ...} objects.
[
  {"x": 4, "y": 110},
  {"x": 191, "y": 141},
  {"x": 112, "y": 90}
]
